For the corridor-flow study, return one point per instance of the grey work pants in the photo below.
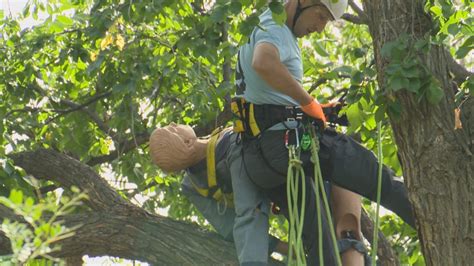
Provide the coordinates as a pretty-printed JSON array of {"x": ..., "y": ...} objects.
[
  {"x": 251, "y": 208},
  {"x": 343, "y": 161}
]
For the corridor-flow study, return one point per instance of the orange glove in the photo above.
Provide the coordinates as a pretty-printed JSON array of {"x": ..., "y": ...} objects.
[{"x": 315, "y": 110}]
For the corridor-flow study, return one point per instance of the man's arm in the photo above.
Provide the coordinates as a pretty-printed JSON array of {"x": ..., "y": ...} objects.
[{"x": 266, "y": 62}]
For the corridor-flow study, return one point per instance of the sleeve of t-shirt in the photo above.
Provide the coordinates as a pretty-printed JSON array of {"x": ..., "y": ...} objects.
[{"x": 274, "y": 35}]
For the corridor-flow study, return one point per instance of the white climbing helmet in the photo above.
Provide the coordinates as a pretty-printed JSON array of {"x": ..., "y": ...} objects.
[{"x": 336, "y": 7}]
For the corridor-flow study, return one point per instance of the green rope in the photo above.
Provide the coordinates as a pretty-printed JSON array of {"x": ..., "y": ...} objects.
[
  {"x": 379, "y": 192},
  {"x": 319, "y": 185},
  {"x": 295, "y": 174}
]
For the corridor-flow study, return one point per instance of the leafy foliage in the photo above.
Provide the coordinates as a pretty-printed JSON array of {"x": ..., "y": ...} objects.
[{"x": 36, "y": 236}]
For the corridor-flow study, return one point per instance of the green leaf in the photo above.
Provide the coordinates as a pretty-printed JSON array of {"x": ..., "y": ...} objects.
[
  {"x": 422, "y": 45},
  {"x": 279, "y": 18},
  {"x": 465, "y": 48},
  {"x": 16, "y": 196},
  {"x": 260, "y": 4},
  {"x": 343, "y": 70},
  {"x": 65, "y": 20},
  {"x": 453, "y": 29},
  {"x": 354, "y": 115},
  {"x": 357, "y": 77},
  {"x": 436, "y": 10},
  {"x": 397, "y": 83},
  {"x": 412, "y": 72},
  {"x": 276, "y": 7},
  {"x": 320, "y": 49},
  {"x": 414, "y": 85},
  {"x": 235, "y": 7},
  {"x": 380, "y": 114},
  {"x": 395, "y": 109},
  {"x": 219, "y": 14},
  {"x": 434, "y": 93},
  {"x": 359, "y": 52}
]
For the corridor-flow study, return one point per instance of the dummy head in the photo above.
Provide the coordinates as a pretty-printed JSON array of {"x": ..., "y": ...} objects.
[{"x": 173, "y": 148}]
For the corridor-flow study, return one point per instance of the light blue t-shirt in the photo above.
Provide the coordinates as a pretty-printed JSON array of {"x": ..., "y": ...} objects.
[{"x": 257, "y": 90}]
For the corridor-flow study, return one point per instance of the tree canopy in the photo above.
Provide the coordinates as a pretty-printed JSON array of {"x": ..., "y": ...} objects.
[{"x": 83, "y": 89}]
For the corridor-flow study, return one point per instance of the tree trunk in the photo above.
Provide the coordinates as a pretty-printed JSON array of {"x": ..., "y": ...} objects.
[{"x": 437, "y": 160}]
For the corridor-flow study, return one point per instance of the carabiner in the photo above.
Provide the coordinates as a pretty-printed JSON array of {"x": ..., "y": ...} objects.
[{"x": 297, "y": 138}]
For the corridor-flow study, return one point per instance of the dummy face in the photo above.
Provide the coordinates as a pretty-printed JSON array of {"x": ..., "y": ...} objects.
[
  {"x": 173, "y": 148},
  {"x": 185, "y": 132},
  {"x": 313, "y": 19}
]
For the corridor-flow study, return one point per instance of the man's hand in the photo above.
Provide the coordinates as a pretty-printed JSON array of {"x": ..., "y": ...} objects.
[{"x": 315, "y": 110}]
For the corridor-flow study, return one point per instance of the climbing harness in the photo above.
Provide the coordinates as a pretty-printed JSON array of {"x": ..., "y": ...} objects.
[{"x": 213, "y": 190}]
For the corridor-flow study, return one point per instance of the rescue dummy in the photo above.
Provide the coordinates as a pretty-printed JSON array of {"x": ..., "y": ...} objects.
[{"x": 176, "y": 147}]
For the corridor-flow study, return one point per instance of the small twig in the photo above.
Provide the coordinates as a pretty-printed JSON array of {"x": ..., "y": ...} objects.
[
  {"x": 80, "y": 106},
  {"x": 101, "y": 124}
]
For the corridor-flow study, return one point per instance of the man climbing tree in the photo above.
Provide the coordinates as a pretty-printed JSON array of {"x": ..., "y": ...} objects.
[{"x": 269, "y": 117}]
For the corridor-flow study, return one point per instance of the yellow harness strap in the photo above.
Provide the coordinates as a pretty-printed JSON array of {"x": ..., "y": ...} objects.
[
  {"x": 253, "y": 123},
  {"x": 211, "y": 162},
  {"x": 212, "y": 187},
  {"x": 202, "y": 191}
]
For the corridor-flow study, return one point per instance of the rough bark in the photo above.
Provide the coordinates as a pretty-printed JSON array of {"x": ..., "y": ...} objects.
[
  {"x": 436, "y": 159},
  {"x": 5, "y": 247}
]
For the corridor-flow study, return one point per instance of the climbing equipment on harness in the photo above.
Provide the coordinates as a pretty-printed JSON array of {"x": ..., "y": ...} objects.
[
  {"x": 295, "y": 177},
  {"x": 213, "y": 190},
  {"x": 296, "y": 213},
  {"x": 252, "y": 119},
  {"x": 305, "y": 141}
]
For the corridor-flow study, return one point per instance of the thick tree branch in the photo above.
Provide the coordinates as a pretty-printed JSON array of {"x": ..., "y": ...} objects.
[
  {"x": 51, "y": 165},
  {"x": 154, "y": 239},
  {"x": 361, "y": 17},
  {"x": 354, "y": 19},
  {"x": 357, "y": 9},
  {"x": 459, "y": 71},
  {"x": 126, "y": 233},
  {"x": 5, "y": 247},
  {"x": 116, "y": 227}
]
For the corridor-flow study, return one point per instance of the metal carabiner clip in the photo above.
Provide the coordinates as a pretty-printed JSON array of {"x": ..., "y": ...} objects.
[{"x": 297, "y": 138}]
